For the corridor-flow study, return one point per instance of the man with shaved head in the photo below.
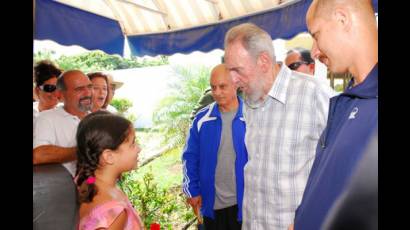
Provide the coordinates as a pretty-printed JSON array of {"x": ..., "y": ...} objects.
[
  {"x": 55, "y": 130},
  {"x": 345, "y": 39},
  {"x": 215, "y": 155}
]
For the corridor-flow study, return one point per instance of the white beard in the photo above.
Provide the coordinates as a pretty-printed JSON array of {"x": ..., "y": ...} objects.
[{"x": 256, "y": 97}]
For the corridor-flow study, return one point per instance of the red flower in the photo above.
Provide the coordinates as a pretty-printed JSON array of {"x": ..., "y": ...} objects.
[{"x": 155, "y": 226}]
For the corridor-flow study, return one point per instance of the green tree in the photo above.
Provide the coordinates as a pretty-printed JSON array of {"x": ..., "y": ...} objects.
[
  {"x": 43, "y": 55},
  {"x": 98, "y": 61},
  {"x": 171, "y": 117},
  {"x": 123, "y": 105}
]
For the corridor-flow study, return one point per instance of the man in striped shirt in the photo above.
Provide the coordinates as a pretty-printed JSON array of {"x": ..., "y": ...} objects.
[{"x": 285, "y": 114}]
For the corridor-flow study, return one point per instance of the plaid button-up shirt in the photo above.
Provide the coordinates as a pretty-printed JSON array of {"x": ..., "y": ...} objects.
[{"x": 281, "y": 138}]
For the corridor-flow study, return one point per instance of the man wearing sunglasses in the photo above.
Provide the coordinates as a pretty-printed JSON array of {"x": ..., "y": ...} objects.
[
  {"x": 299, "y": 59},
  {"x": 55, "y": 130}
]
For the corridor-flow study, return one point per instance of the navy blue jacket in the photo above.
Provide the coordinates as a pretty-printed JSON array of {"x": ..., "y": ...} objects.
[
  {"x": 199, "y": 156},
  {"x": 352, "y": 119}
]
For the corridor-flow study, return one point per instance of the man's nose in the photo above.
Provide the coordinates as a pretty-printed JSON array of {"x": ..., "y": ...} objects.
[
  {"x": 235, "y": 79},
  {"x": 216, "y": 91},
  {"x": 89, "y": 90},
  {"x": 315, "y": 52}
]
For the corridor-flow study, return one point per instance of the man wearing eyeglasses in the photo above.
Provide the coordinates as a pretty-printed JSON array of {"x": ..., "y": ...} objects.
[
  {"x": 55, "y": 130},
  {"x": 285, "y": 113},
  {"x": 299, "y": 59}
]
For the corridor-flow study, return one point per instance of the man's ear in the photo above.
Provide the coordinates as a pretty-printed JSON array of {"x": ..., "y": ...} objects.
[
  {"x": 263, "y": 61},
  {"x": 60, "y": 95},
  {"x": 312, "y": 67},
  {"x": 107, "y": 157},
  {"x": 37, "y": 92},
  {"x": 343, "y": 17}
]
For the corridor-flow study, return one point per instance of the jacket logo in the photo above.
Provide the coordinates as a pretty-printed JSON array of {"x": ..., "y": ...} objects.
[{"x": 353, "y": 113}]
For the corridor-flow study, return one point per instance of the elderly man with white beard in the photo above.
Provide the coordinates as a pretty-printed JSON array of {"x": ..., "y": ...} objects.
[{"x": 285, "y": 114}]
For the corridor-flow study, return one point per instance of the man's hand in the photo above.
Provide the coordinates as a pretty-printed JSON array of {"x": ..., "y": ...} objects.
[
  {"x": 196, "y": 203},
  {"x": 290, "y": 227},
  {"x": 53, "y": 154}
]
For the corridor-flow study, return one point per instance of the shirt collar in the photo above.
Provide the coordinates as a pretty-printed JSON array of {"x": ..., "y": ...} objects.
[
  {"x": 65, "y": 113},
  {"x": 280, "y": 85},
  {"x": 215, "y": 110},
  {"x": 366, "y": 89}
]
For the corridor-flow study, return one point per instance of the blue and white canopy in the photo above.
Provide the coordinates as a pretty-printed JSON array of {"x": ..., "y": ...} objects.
[{"x": 154, "y": 27}]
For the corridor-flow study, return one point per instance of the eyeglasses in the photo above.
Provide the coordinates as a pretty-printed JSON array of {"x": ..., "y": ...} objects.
[
  {"x": 48, "y": 88},
  {"x": 296, "y": 65}
]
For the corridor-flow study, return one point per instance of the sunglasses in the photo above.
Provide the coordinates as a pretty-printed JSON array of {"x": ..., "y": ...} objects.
[
  {"x": 296, "y": 65},
  {"x": 48, "y": 88}
]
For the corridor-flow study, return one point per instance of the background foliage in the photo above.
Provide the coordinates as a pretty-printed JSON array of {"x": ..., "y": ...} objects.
[
  {"x": 123, "y": 105},
  {"x": 171, "y": 117},
  {"x": 156, "y": 193},
  {"x": 98, "y": 61}
]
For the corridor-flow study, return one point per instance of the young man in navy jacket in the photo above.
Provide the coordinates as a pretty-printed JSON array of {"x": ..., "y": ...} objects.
[
  {"x": 345, "y": 39},
  {"x": 215, "y": 155}
]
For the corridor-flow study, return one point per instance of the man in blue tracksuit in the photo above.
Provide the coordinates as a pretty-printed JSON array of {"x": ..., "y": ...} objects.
[
  {"x": 345, "y": 39},
  {"x": 215, "y": 155}
]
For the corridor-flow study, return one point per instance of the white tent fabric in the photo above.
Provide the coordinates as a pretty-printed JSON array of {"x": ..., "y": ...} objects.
[
  {"x": 153, "y": 27},
  {"x": 157, "y": 16}
]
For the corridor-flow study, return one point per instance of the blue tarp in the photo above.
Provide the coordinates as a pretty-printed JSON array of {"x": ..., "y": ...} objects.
[
  {"x": 282, "y": 23},
  {"x": 71, "y": 26}
]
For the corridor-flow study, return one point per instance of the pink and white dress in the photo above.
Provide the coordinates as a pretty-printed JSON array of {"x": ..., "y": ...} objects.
[{"x": 102, "y": 216}]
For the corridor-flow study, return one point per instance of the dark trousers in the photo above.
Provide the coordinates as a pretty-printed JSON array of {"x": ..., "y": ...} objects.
[{"x": 225, "y": 219}]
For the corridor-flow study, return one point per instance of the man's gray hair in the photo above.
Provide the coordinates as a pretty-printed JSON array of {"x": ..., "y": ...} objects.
[{"x": 254, "y": 39}]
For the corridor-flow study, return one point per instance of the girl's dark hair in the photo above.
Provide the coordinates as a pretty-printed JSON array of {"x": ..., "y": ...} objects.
[
  {"x": 45, "y": 70},
  {"x": 96, "y": 132}
]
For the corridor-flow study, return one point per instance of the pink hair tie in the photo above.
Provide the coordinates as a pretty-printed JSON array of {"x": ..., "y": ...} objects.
[{"x": 90, "y": 180}]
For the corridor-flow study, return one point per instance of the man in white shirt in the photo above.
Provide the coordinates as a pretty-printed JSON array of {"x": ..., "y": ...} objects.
[
  {"x": 285, "y": 113},
  {"x": 55, "y": 129}
]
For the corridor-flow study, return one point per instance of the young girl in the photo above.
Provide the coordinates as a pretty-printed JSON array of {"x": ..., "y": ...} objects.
[{"x": 106, "y": 148}]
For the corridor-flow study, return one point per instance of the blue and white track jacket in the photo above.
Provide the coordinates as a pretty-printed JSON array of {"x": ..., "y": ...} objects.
[{"x": 200, "y": 156}]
